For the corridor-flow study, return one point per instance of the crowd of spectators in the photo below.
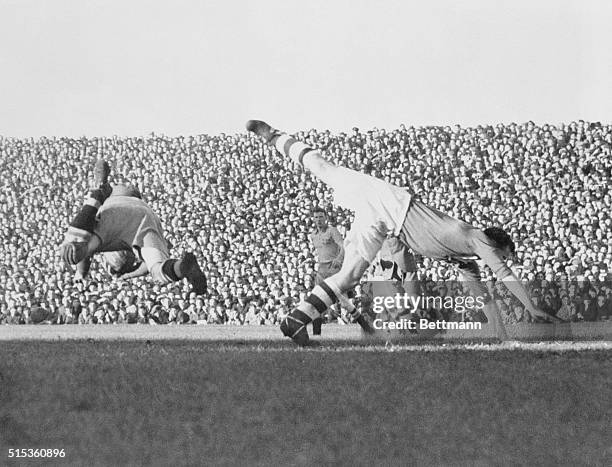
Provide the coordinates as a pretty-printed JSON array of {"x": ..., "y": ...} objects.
[{"x": 246, "y": 213}]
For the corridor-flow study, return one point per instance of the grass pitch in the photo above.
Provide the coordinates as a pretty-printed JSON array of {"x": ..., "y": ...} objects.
[{"x": 265, "y": 402}]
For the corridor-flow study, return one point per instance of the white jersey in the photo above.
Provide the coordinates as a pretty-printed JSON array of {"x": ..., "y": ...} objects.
[{"x": 380, "y": 209}]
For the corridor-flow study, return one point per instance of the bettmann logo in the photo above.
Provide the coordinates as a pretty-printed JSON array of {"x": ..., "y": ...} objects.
[{"x": 422, "y": 324}]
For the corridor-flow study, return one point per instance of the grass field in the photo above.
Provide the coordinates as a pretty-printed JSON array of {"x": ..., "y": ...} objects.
[{"x": 249, "y": 401}]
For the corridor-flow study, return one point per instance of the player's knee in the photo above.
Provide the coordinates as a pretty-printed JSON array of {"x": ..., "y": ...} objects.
[{"x": 351, "y": 273}]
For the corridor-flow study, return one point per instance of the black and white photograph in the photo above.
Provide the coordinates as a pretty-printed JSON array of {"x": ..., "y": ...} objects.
[{"x": 323, "y": 233}]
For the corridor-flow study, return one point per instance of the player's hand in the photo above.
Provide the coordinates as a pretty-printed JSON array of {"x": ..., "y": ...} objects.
[{"x": 72, "y": 252}]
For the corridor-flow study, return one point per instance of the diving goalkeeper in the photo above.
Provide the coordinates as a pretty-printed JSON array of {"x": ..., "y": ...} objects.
[{"x": 118, "y": 220}]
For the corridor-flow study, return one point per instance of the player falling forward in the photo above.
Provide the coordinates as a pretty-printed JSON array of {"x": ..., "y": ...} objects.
[
  {"x": 384, "y": 210},
  {"x": 118, "y": 220}
]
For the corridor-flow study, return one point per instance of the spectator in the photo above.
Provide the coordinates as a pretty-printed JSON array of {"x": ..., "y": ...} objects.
[
  {"x": 603, "y": 307},
  {"x": 566, "y": 312},
  {"x": 587, "y": 309},
  {"x": 85, "y": 317},
  {"x": 251, "y": 316}
]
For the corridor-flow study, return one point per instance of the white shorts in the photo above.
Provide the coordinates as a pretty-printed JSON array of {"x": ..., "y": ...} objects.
[{"x": 380, "y": 209}]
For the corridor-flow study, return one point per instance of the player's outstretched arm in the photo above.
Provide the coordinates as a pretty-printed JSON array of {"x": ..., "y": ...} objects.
[
  {"x": 497, "y": 264},
  {"x": 519, "y": 292},
  {"x": 140, "y": 271}
]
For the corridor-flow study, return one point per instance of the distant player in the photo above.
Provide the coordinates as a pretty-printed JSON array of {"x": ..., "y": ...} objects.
[
  {"x": 327, "y": 242},
  {"x": 384, "y": 210},
  {"x": 119, "y": 220}
]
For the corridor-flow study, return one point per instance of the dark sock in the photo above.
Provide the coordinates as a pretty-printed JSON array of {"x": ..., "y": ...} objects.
[
  {"x": 168, "y": 270},
  {"x": 300, "y": 316},
  {"x": 98, "y": 195},
  {"x": 85, "y": 218}
]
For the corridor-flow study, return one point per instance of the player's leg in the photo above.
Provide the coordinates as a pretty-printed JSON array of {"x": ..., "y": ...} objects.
[
  {"x": 317, "y": 323},
  {"x": 360, "y": 248},
  {"x": 164, "y": 269},
  {"x": 324, "y": 271},
  {"x": 328, "y": 292},
  {"x": 353, "y": 312},
  {"x": 82, "y": 225},
  {"x": 299, "y": 152},
  {"x": 81, "y": 228}
]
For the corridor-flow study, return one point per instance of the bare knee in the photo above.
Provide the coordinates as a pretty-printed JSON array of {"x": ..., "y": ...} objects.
[
  {"x": 346, "y": 280},
  {"x": 353, "y": 268}
]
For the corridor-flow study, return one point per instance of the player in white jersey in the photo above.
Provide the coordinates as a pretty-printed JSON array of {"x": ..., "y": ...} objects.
[{"x": 384, "y": 210}]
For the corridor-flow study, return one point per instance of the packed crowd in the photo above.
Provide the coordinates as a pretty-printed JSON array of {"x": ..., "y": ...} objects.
[{"x": 246, "y": 213}]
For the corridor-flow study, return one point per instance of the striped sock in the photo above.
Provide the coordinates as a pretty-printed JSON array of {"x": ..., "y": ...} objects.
[
  {"x": 294, "y": 149},
  {"x": 319, "y": 300}
]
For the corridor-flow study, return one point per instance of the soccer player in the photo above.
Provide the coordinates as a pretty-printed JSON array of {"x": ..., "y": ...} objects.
[
  {"x": 118, "y": 219},
  {"x": 327, "y": 242},
  {"x": 384, "y": 210}
]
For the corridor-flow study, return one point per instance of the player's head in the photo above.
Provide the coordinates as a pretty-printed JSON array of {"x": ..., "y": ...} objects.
[
  {"x": 121, "y": 262},
  {"x": 319, "y": 217},
  {"x": 502, "y": 240}
]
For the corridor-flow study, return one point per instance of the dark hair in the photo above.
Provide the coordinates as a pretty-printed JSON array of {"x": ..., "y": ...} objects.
[
  {"x": 500, "y": 237},
  {"x": 321, "y": 210}
]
